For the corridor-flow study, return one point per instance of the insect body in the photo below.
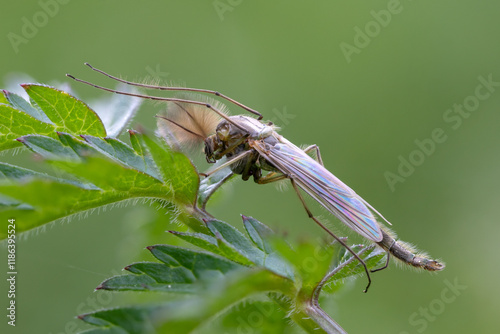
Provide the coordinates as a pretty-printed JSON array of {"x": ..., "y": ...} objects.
[
  {"x": 263, "y": 148},
  {"x": 252, "y": 146},
  {"x": 260, "y": 147}
]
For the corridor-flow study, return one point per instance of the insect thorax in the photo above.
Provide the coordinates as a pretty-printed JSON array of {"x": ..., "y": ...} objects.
[{"x": 233, "y": 137}]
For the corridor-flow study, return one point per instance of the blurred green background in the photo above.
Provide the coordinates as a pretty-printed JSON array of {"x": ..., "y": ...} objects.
[{"x": 365, "y": 108}]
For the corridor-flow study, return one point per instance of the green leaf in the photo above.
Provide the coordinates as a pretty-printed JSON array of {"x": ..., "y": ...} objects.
[
  {"x": 259, "y": 317},
  {"x": 49, "y": 148},
  {"x": 237, "y": 240},
  {"x": 175, "y": 169},
  {"x": 15, "y": 123},
  {"x": 195, "y": 261},
  {"x": 209, "y": 185},
  {"x": 189, "y": 314},
  {"x": 231, "y": 253},
  {"x": 259, "y": 233},
  {"x": 240, "y": 249},
  {"x": 350, "y": 267},
  {"x": 51, "y": 200},
  {"x": 21, "y": 104},
  {"x": 10, "y": 173},
  {"x": 17, "y": 173},
  {"x": 181, "y": 268},
  {"x": 3, "y": 97},
  {"x": 201, "y": 240},
  {"x": 133, "y": 320},
  {"x": 136, "y": 143},
  {"x": 289, "y": 276},
  {"x": 67, "y": 112},
  {"x": 310, "y": 261},
  {"x": 52, "y": 110},
  {"x": 123, "y": 153},
  {"x": 48, "y": 200},
  {"x": 103, "y": 172},
  {"x": 112, "y": 178},
  {"x": 148, "y": 283},
  {"x": 162, "y": 273},
  {"x": 117, "y": 179}
]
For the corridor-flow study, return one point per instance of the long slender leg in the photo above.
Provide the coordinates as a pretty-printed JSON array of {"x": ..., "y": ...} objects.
[
  {"x": 231, "y": 148},
  {"x": 250, "y": 168},
  {"x": 275, "y": 176},
  {"x": 241, "y": 105},
  {"x": 245, "y": 173},
  {"x": 228, "y": 163},
  {"x": 339, "y": 240},
  {"x": 318, "y": 158},
  {"x": 271, "y": 177},
  {"x": 158, "y": 98},
  {"x": 321, "y": 284},
  {"x": 385, "y": 266},
  {"x": 315, "y": 147},
  {"x": 388, "y": 257}
]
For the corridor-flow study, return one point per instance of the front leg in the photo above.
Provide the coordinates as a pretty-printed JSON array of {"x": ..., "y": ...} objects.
[{"x": 230, "y": 162}]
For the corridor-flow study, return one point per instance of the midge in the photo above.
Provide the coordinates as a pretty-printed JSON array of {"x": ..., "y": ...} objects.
[{"x": 252, "y": 146}]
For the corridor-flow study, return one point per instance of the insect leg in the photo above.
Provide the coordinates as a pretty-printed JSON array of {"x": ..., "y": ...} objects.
[
  {"x": 247, "y": 171},
  {"x": 318, "y": 153},
  {"x": 159, "y": 98},
  {"x": 339, "y": 240},
  {"x": 232, "y": 147},
  {"x": 227, "y": 163},
  {"x": 326, "y": 278},
  {"x": 271, "y": 177},
  {"x": 385, "y": 266},
  {"x": 250, "y": 168},
  {"x": 241, "y": 105}
]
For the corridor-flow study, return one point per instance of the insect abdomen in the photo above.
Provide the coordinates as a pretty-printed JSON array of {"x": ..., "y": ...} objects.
[{"x": 408, "y": 254}]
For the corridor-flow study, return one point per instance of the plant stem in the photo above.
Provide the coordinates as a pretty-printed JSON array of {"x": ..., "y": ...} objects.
[{"x": 321, "y": 318}]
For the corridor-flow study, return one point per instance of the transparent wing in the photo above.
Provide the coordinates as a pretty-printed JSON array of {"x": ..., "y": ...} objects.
[{"x": 323, "y": 186}]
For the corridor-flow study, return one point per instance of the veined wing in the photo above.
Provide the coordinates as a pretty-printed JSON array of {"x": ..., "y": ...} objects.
[{"x": 323, "y": 186}]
